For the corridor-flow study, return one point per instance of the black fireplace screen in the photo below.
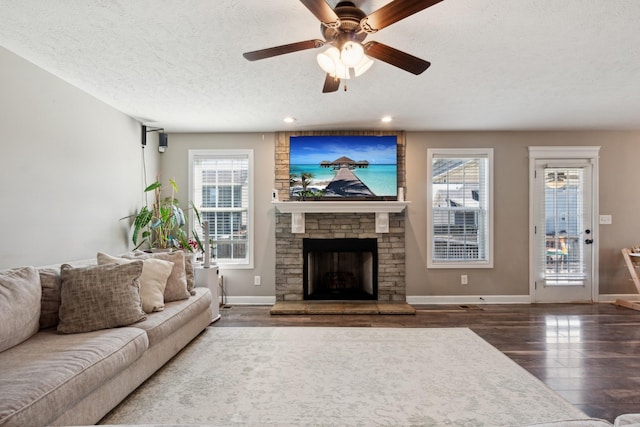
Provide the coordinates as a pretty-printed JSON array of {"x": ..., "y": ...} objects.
[{"x": 340, "y": 269}]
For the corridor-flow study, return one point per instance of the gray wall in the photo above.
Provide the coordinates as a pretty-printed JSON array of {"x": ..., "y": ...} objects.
[
  {"x": 511, "y": 199},
  {"x": 174, "y": 164},
  {"x": 70, "y": 167},
  {"x": 511, "y": 208}
]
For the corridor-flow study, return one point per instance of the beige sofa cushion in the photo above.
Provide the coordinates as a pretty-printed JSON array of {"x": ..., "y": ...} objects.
[
  {"x": 20, "y": 294},
  {"x": 99, "y": 297},
  {"x": 175, "y": 315},
  {"x": 177, "y": 283},
  {"x": 627, "y": 420},
  {"x": 153, "y": 279},
  {"x": 49, "y": 373},
  {"x": 50, "y": 301}
]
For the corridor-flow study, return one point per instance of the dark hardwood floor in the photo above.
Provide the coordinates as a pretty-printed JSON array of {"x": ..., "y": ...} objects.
[{"x": 588, "y": 353}]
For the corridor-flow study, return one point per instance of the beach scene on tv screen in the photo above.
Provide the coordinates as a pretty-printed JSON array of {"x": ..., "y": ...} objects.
[{"x": 343, "y": 166}]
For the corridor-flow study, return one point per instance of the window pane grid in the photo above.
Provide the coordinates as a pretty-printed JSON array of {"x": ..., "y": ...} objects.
[
  {"x": 221, "y": 193},
  {"x": 459, "y": 202}
]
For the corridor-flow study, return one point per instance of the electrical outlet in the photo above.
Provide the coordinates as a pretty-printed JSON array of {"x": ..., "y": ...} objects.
[
  {"x": 606, "y": 219},
  {"x": 256, "y": 280},
  {"x": 464, "y": 280}
]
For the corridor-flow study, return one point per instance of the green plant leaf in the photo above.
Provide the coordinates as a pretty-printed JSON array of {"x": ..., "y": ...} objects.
[
  {"x": 178, "y": 214},
  {"x": 153, "y": 186},
  {"x": 198, "y": 241},
  {"x": 173, "y": 184},
  {"x": 141, "y": 221},
  {"x": 184, "y": 242},
  {"x": 197, "y": 212}
]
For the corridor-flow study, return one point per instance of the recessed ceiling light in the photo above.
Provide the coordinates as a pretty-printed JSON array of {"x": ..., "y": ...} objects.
[
  {"x": 289, "y": 119},
  {"x": 386, "y": 119}
]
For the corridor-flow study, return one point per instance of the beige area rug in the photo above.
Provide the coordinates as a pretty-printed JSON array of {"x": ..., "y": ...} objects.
[{"x": 301, "y": 376}]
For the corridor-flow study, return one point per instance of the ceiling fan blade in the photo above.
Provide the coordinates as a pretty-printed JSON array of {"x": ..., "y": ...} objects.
[
  {"x": 331, "y": 84},
  {"x": 281, "y": 50},
  {"x": 394, "y": 12},
  {"x": 396, "y": 57},
  {"x": 322, "y": 11}
]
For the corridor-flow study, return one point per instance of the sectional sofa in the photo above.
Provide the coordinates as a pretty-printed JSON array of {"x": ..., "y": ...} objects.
[{"x": 75, "y": 340}]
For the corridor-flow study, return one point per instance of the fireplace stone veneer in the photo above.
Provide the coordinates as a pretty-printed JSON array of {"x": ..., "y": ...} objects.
[
  {"x": 391, "y": 250},
  {"x": 326, "y": 223}
]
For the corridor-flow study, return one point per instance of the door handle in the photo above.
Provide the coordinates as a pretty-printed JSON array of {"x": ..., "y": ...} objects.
[{"x": 588, "y": 241}]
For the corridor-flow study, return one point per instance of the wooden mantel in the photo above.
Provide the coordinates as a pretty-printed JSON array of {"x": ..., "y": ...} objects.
[{"x": 380, "y": 208}]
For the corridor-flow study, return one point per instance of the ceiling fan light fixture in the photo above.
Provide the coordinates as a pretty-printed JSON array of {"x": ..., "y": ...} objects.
[
  {"x": 361, "y": 67},
  {"x": 351, "y": 53},
  {"x": 329, "y": 61},
  {"x": 341, "y": 72}
]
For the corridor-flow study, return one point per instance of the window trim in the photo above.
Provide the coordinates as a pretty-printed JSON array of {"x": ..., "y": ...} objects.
[
  {"x": 195, "y": 154},
  {"x": 462, "y": 153}
]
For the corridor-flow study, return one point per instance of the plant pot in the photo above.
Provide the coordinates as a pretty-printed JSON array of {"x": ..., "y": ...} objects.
[{"x": 160, "y": 250}]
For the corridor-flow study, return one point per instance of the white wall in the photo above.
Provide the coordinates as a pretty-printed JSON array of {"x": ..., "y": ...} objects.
[{"x": 70, "y": 167}]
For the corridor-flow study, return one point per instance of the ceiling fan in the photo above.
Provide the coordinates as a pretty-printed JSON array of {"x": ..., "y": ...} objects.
[{"x": 344, "y": 28}]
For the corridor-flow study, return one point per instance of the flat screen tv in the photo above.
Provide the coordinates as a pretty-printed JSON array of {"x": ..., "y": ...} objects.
[{"x": 343, "y": 167}]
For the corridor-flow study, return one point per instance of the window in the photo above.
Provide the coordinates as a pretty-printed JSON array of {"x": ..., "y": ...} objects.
[
  {"x": 221, "y": 186},
  {"x": 459, "y": 212}
]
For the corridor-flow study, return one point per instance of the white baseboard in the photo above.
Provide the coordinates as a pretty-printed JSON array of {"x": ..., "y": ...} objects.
[
  {"x": 468, "y": 299},
  {"x": 501, "y": 299},
  {"x": 255, "y": 300},
  {"x": 439, "y": 299}
]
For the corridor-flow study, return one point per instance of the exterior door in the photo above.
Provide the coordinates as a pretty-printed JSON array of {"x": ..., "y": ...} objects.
[{"x": 562, "y": 244}]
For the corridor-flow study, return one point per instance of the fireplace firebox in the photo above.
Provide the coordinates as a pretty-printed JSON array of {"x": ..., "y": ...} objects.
[{"x": 340, "y": 269}]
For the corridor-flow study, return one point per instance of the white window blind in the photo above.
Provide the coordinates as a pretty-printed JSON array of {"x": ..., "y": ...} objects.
[
  {"x": 459, "y": 220},
  {"x": 562, "y": 256},
  {"x": 221, "y": 190}
]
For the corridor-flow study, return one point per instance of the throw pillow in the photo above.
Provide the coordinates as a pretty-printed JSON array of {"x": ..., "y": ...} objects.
[
  {"x": 189, "y": 259},
  {"x": 153, "y": 279},
  {"x": 189, "y": 271},
  {"x": 177, "y": 282},
  {"x": 50, "y": 301},
  {"x": 20, "y": 294},
  {"x": 99, "y": 297}
]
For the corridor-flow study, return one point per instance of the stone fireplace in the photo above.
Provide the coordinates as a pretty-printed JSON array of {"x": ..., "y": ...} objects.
[
  {"x": 378, "y": 227},
  {"x": 290, "y": 250}
]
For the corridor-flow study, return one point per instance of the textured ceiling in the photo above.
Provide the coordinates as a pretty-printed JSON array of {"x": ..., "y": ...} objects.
[{"x": 496, "y": 64}]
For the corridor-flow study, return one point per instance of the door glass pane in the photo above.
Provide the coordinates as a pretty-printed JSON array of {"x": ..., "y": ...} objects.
[{"x": 564, "y": 224}]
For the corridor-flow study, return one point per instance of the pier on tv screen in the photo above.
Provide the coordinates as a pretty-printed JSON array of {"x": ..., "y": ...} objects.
[{"x": 343, "y": 166}]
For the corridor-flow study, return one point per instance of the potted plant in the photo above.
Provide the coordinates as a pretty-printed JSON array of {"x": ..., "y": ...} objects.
[{"x": 161, "y": 225}]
